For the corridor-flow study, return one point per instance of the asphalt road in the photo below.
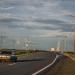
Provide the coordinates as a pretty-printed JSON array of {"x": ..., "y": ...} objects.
[
  {"x": 66, "y": 66},
  {"x": 27, "y": 65}
]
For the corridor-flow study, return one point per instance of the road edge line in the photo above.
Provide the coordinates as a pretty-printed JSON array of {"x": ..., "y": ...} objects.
[{"x": 46, "y": 66}]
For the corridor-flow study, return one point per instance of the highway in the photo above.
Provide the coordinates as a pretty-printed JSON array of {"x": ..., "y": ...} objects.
[
  {"x": 66, "y": 66},
  {"x": 27, "y": 65}
]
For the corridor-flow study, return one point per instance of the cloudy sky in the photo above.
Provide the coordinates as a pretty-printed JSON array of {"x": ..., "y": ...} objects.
[{"x": 44, "y": 20}]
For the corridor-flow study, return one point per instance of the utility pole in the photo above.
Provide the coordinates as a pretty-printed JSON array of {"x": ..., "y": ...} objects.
[
  {"x": 58, "y": 46},
  {"x": 73, "y": 33},
  {"x": 26, "y": 44},
  {"x": 74, "y": 41},
  {"x": 65, "y": 38},
  {"x": 64, "y": 43},
  {"x": 2, "y": 37}
]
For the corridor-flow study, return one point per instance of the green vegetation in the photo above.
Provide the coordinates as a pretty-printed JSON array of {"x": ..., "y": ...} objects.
[{"x": 25, "y": 52}]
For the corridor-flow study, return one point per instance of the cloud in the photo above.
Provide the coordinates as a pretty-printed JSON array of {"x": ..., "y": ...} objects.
[
  {"x": 35, "y": 15},
  {"x": 37, "y": 18},
  {"x": 7, "y": 17},
  {"x": 9, "y": 21},
  {"x": 49, "y": 21},
  {"x": 54, "y": 33},
  {"x": 6, "y": 8},
  {"x": 40, "y": 27}
]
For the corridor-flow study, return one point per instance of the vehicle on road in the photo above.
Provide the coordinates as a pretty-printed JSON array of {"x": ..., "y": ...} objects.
[{"x": 7, "y": 56}]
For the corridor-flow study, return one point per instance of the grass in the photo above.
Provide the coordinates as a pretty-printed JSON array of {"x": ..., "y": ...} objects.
[
  {"x": 25, "y": 53},
  {"x": 70, "y": 55}
]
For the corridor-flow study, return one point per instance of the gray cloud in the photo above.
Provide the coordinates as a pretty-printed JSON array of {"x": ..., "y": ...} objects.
[
  {"x": 45, "y": 15},
  {"x": 11, "y": 2},
  {"x": 72, "y": 16},
  {"x": 9, "y": 20},
  {"x": 47, "y": 27},
  {"x": 50, "y": 21},
  {"x": 37, "y": 18},
  {"x": 57, "y": 23}
]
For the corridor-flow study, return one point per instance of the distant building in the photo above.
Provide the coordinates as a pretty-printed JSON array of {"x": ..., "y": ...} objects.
[{"x": 52, "y": 49}]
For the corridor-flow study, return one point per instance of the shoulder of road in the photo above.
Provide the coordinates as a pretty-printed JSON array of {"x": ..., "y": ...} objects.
[{"x": 66, "y": 66}]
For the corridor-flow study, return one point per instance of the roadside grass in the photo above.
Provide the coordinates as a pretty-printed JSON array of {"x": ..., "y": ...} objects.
[
  {"x": 70, "y": 55},
  {"x": 25, "y": 53}
]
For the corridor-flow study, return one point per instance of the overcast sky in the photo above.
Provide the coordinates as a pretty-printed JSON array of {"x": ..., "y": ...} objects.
[{"x": 37, "y": 18}]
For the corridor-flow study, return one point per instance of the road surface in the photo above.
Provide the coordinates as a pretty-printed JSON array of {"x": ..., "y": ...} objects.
[
  {"x": 27, "y": 65},
  {"x": 66, "y": 66}
]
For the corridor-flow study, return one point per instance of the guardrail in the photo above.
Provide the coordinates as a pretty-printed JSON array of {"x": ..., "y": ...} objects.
[{"x": 39, "y": 72}]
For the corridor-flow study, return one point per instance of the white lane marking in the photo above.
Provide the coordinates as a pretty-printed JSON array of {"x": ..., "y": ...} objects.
[
  {"x": 46, "y": 66},
  {"x": 11, "y": 64}
]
